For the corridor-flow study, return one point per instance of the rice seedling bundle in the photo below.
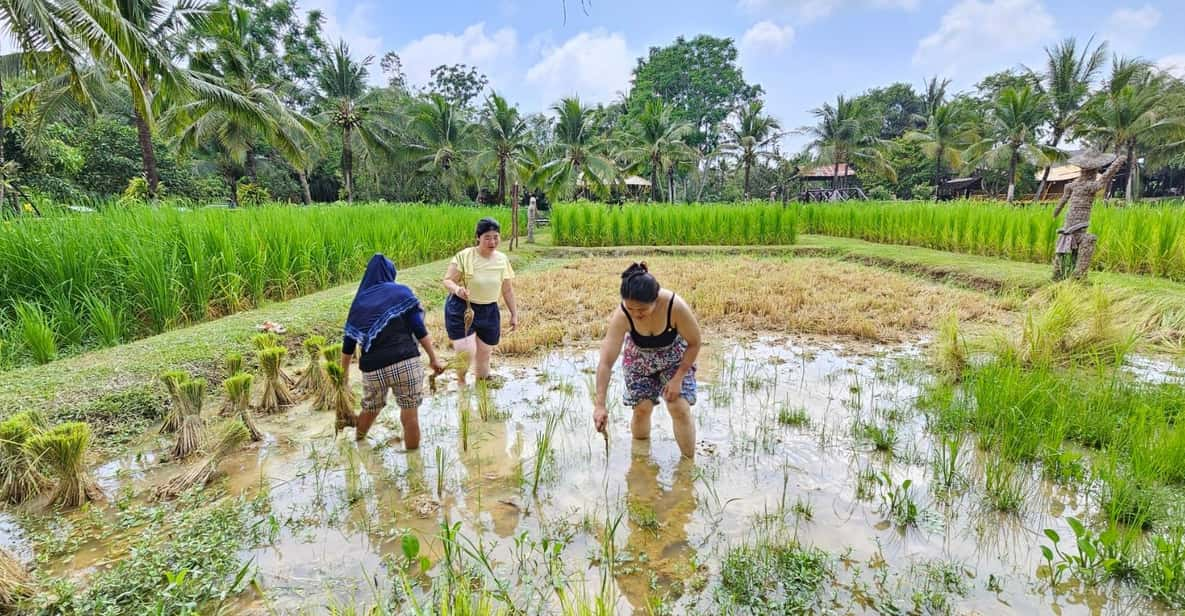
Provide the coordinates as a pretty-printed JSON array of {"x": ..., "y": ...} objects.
[
  {"x": 233, "y": 364},
  {"x": 238, "y": 392},
  {"x": 331, "y": 354},
  {"x": 153, "y": 268},
  {"x": 20, "y": 475},
  {"x": 313, "y": 379},
  {"x": 190, "y": 432},
  {"x": 341, "y": 398},
  {"x": 276, "y": 395},
  {"x": 63, "y": 450},
  {"x": 15, "y": 583},
  {"x": 265, "y": 340},
  {"x": 230, "y": 438},
  {"x": 172, "y": 380}
]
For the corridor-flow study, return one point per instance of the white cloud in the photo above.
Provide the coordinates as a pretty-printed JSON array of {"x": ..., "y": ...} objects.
[
  {"x": 767, "y": 36},
  {"x": 1174, "y": 65},
  {"x": 976, "y": 35},
  {"x": 1127, "y": 28},
  {"x": 491, "y": 53},
  {"x": 810, "y": 10},
  {"x": 595, "y": 65},
  {"x": 354, "y": 27}
]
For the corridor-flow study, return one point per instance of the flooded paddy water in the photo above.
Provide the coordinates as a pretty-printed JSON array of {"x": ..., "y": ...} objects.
[{"x": 821, "y": 447}]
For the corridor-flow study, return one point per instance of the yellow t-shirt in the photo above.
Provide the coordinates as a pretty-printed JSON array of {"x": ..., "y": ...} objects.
[{"x": 483, "y": 277}]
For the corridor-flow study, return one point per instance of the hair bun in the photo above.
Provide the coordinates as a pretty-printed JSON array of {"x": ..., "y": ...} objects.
[{"x": 636, "y": 269}]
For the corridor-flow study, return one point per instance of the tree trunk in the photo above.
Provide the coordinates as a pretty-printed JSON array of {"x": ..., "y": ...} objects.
[
  {"x": 347, "y": 164},
  {"x": 937, "y": 172},
  {"x": 304, "y": 186},
  {"x": 671, "y": 184},
  {"x": 835, "y": 174},
  {"x": 3, "y": 137},
  {"x": 654, "y": 194},
  {"x": 501, "y": 181},
  {"x": 1012, "y": 175},
  {"x": 232, "y": 183},
  {"x": 746, "y": 180},
  {"x": 151, "y": 175},
  {"x": 250, "y": 164},
  {"x": 1053, "y": 141},
  {"x": 1130, "y": 193}
]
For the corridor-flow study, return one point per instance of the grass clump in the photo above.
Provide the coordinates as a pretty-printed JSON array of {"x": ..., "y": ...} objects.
[
  {"x": 190, "y": 433},
  {"x": 794, "y": 417},
  {"x": 63, "y": 449},
  {"x": 231, "y": 436},
  {"x": 312, "y": 380},
  {"x": 276, "y": 395},
  {"x": 341, "y": 399},
  {"x": 37, "y": 330},
  {"x": 323, "y": 399},
  {"x": 15, "y": 583},
  {"x": 172, "y": 380},
  {"x": 775, "y": 579},
  {"x": 238, "y": 392},
  {"x": 20, "y": 475}
]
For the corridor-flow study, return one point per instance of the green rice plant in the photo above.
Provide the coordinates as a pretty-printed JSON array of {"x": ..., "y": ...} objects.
[
  {"x": 882, "y": 436},
  {"x": 948, "y": 467},
  {"x": 231, "y": 437},
  {"x": 232, "y": 364},
  {"x": 341, "y": 398},
  {"x": 1161, "y": 570},
  {"x": 172, "y": 380},
  {"x": 276, "y": 396},
  {"x": 37, "y": 331},
  {"x": 951, "y": 353},
  {"x": 796, "y": 417},
  {"x": 897, "y": 501},
  {"x": 107, "y": 319},
  {"x": 20, "y": 474},
  {"x": 238, "y": 393},
  {"x": 266, "y": 340},
  {"x": 312, "y": 380},
  {"x": 191, "y": 430},
  {"x": 543, "y": 451},
  {"x": 160, "y": 267},
  {"x": 1004, "y": 486},
  {"x": 648, "y": 225},
  {"x": 775, "y": 578},
  {"x": 63, "y": 449}
]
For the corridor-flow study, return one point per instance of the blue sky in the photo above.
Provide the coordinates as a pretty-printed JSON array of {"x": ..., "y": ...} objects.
[{"x": 803, "y": 52}]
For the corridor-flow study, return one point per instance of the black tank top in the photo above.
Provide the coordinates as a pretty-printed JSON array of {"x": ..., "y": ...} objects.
[{"x": 666, "y": 338}]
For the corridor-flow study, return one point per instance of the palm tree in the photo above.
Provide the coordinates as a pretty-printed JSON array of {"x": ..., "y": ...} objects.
[
  {"x": 655, "y": 140},
  {"x": 347, "y": 105},
  {"x": 847, "y": 133},
  {"x": 934, "y": 96},
  {"x": 749, "y": 140},
  {"x": 1130, "y": 115},
  {"x": 578, "y": 154},
  {"x": 1066, "y": 83},
  {"x": 440, "y": 134},
  {"x": 507, "y": 140},
  {"x": 1011, "y": 133},
  {"x": 946, "y": 134},
  {"x": 239, "y": 62}
]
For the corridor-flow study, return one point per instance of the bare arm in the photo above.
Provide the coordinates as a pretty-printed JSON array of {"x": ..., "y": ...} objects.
[
  {"x": 346, "y": 359},
  {"x": 1105, "y": 181},
  {"x": 430, "y": 349},
  {"x": 1062, "y": 202},
  {"x": 452, "y": 282},
  {"x": 610, "y": 350},
  {"x": 508, "y": 295}
]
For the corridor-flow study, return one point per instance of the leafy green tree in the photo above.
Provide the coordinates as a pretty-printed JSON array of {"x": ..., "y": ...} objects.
[
  {"x": 656, "y": 141},
  {"x": 848, "y": 133},
  {"x": 1066, "y": 83},
  {"x": 459, "y": 84},
  {"x": 1011, "y": 133},
  {"x": 699, "y": 79},
  {"x": 506, "y": 143},
  {"x": 578, "y": 153},
  {"x": 946, "y": 134},
  {"x": 750, "y": 139}
]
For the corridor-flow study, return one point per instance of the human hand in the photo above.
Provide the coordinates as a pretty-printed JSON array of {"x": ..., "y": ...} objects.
[
  {"x": 462, "y": 293},
  {"x": 438, "y": 366},
  {"x": 600, "y": 417},
  {"x": 513, "y": 321},
  {"x": 673, "y": 389}
]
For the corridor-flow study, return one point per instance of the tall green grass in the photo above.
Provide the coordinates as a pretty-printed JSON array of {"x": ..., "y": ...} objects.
[
  {"x": 646, "y": 225},
  {"x": 1142, "y": 239},
  {"x": 73, "y": 282}
]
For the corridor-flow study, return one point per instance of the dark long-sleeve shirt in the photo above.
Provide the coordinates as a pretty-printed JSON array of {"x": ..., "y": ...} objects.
[{"x": 397, "y": 342}]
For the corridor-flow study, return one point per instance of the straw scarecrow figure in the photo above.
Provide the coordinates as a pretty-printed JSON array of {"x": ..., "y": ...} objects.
[{"x": 1075, "y": 247}]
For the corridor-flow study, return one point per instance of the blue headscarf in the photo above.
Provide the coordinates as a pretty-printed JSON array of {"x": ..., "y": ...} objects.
[{"x": 379, "y": 299}]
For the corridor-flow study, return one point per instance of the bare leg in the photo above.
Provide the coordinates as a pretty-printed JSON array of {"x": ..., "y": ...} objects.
[
  {"x": 464, "y": 347},
  {"x": 363, "y": 423},
  {"x": 410, "y": 418},
  {"x": 640, "y": 427},
  {"x": 684, "y": 426},
  {"x": 481, "y": 365},
  {"x": 1085, "y": 254}
]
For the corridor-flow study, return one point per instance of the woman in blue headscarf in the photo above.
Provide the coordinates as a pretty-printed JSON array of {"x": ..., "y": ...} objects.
[{"x": 386, "y": 320}]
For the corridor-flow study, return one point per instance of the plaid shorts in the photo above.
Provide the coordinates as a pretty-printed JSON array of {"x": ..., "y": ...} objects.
[{"x": 405, "y": 378}]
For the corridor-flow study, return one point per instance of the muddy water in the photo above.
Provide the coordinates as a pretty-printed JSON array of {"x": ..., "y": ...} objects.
[{"x": 340, "y": 510}]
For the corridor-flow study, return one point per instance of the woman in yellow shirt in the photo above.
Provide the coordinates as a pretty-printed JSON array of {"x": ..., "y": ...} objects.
[{"x": 476, "y": 277}]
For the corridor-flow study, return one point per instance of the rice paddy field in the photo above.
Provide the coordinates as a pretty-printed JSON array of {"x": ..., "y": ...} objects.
[
  {"x": 74, "y": 282},
  {"x": 872, "y": 437}
]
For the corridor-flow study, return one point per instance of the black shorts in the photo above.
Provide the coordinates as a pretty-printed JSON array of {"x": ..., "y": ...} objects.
[{"x": 487, "y": 321}]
